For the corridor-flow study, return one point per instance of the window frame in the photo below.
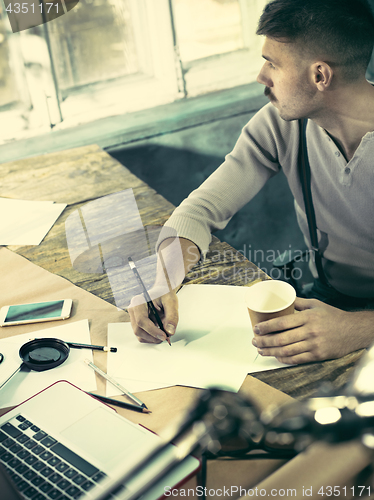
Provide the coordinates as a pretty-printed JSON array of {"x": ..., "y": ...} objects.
[
  {"x": 229, "y": 69},
  {"x": 162, "y": 78}
]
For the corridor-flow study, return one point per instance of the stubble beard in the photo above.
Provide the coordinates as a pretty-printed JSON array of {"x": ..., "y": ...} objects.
[{"x": 286, "y": 115}]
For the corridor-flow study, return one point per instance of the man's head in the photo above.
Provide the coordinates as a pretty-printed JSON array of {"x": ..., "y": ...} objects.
[
  {"x": 340, "y": 31},
  {"x": 316, "y": 43}
]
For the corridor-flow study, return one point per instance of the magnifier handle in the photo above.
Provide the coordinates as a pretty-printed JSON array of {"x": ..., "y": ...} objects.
[{"x": 11, "y": 376}]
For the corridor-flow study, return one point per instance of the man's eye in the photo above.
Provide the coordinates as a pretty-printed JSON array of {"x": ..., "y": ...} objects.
[{"x": 271, "y": 65}]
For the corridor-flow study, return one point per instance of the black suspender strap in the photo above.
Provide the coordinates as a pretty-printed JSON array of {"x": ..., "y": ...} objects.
[{"x": 305, "y": 179}]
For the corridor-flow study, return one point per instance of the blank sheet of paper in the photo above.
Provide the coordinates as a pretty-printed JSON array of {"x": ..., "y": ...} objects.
[
  {"x": 212, "y": 345},
  {"x": 26, "y": 222},
  {"x": 27, "y": 383}
]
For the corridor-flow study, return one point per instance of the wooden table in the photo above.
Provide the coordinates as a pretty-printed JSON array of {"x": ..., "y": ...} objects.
[{"x": 80, "y": 175}]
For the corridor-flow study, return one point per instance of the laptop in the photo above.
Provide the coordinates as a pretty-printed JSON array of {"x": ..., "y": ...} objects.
[{"x": 63, "y": 444}]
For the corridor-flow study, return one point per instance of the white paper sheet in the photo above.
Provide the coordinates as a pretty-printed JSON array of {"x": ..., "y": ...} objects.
[
  {"x": 27, "y": 383},
  {"x": 26, "y": 222},
  {"x": 212, "y": 345}
]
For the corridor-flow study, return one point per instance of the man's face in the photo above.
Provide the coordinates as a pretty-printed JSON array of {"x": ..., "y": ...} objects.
[{"x": 287, "y": 81}]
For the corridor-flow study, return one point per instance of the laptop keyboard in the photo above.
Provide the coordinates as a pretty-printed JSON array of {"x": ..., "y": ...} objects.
[{"x": 40, "y": 466}]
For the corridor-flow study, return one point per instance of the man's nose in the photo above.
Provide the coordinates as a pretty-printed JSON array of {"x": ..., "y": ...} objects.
[{"x": 261, "y": 78}]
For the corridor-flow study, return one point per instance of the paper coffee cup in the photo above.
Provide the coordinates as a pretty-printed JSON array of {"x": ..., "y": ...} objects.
[{"x": 269, "y": 299}]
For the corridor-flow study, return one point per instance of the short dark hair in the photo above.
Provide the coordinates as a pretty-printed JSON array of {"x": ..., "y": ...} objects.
[{"x": 342, "y": 30}]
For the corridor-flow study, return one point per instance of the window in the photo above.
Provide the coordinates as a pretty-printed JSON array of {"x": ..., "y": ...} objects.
[
  {"x": 14, "y": 96},
  {"x": 217, "y": 42},
  {"x": 110, "y": 57}
]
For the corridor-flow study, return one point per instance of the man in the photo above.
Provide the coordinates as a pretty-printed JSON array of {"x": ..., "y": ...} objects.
[{"x": 316, "y": 53}]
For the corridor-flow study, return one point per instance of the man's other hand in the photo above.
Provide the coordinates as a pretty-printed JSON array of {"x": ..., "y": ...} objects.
[{"x": 315, "y": 332}]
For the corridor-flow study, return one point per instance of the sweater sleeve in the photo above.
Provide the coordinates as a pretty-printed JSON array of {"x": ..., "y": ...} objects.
[{"x": 254, "y": 159}]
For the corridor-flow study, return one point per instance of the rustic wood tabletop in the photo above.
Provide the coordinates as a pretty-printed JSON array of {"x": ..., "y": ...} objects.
[{"x": 78, "y": 176}]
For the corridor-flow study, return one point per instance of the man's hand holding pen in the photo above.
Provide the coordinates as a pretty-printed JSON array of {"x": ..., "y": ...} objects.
[
  {"x": 144, "y": 324},
  {"x": 176, "y": 257}
]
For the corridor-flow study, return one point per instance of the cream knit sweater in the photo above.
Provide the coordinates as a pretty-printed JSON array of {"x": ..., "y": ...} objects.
[{"x": 342, "y": 195}]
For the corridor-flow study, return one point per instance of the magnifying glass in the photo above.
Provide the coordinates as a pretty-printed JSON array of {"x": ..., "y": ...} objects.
[{"x": 40, "y": 355}]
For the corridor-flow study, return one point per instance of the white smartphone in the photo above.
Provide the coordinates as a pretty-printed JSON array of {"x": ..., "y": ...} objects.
[{"x": 37, "y": 312}]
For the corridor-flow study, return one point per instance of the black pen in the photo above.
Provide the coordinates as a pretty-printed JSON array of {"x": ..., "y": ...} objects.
[
  {"x": 77, "y": 345},
  {"x": 115, "y": 383},
  {"x": 122, "y": 404},
  {"x": 93, "y": 347},
  {"x": 148, "y": 299}
]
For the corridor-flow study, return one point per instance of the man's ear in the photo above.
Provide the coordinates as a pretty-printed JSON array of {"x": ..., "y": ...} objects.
[{"x": 322, "y": 75}]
